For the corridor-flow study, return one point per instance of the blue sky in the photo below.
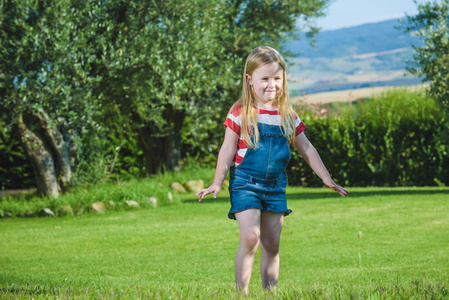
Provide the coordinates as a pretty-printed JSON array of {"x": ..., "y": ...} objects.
[{"x": 346, "y": 13}]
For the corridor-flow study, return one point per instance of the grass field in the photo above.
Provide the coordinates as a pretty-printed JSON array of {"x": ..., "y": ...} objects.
[{"x": 376, "y": 243}]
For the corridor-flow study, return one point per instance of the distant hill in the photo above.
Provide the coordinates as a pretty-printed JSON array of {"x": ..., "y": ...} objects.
[
  {"x": 368, "y": 55},
  {"x": 366, "y": 38}
]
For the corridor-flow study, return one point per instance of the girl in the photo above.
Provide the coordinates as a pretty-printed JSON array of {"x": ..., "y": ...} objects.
[{"x": 256, "y": 152}]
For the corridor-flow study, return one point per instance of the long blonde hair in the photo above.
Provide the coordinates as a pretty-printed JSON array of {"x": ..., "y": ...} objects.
[{"x": 259, "y": 57}]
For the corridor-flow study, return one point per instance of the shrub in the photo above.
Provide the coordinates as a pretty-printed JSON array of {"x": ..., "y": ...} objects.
[
  {"x": 113, "y": 194},
  {"x": 391, "y": 140}
]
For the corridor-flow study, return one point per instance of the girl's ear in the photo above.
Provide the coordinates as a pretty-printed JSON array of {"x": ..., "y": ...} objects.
[{"x": 248, "y": 78}]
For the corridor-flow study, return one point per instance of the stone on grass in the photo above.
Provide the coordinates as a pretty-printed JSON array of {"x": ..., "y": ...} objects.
[
  {"x": 178, "y": 188},
  {"x": 111, "y": 203},
  {"x": 195, "y": 185},
  {"x": 79, "y": 211},
  {"x": 98, "y": 207},
  {"x": 46, "y": 212},
  {"x": 65, "y": 210},
  {"x": 152, "y": 201},
  {"x": 5, "y": 214},
  {"x": 132, "y": 203},
  {"x": 170, "y": 197}
]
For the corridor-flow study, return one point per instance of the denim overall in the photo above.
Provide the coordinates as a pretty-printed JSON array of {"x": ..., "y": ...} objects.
[{"x": 259, "y": 181}]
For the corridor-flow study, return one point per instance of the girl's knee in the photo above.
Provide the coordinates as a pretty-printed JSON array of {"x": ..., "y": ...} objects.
[
  {"x": 250, "y": 240},
  {"x": 270, "y": 244}
]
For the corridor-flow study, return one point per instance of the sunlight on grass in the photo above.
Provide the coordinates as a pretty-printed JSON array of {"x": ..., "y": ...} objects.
[{"x": 388, "y": 242}]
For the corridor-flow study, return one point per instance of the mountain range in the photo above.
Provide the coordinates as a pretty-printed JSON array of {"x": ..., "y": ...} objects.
[{"x": 373, "y": 54}]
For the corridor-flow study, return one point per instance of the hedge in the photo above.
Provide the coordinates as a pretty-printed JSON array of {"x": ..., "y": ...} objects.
[{"x": 397, "y": 139}]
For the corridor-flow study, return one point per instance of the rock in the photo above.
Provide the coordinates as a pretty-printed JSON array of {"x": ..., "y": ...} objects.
[
  {"x": 132, "y": 203},
  {"x": 79, "y": 211},
  {"x": 30, "y": 213},
  {"x": 111, "y": 203},
  {"x": 177, "y": 187},
  {"x": 46, "y": 212},
  {"x": 195, "y": 185},
  {"x": 170, "y": 197},
  {"x": 153, "y": 201},
  {"x": 65, "y": 210},
  {"x": 99, "y": 207},
  {"x": 5, "y": 214}
]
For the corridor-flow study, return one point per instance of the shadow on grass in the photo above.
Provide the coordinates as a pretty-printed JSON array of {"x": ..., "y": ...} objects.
[
  {"x": 207, "y": 200},
  {"x": 356, "y": 194},
  {"x": 322, "y": 193}
]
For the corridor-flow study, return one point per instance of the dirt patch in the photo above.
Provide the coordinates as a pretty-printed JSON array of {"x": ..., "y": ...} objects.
[{"x": 348, "y": 95}]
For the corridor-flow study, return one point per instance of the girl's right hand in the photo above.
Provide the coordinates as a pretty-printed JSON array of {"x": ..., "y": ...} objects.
[
  {"x": 212, "y": 189},
  {"x": 339, "y": 189}
]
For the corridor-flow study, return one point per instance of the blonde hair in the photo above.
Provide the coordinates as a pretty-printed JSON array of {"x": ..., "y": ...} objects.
[{"x": 259, "y": 57}]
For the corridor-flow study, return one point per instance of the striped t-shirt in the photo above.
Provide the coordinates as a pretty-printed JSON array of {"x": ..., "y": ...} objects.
[{"x": 265, "y": 116}]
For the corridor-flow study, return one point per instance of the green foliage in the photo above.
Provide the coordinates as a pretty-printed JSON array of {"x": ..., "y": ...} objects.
[
  {"x": 15, "y": 170},
  {"x": 391, "y": 140},
  {"x": 44, "y": 68},
  {"x": 201, "y": 136},
  {"x": 127, "y": 74},
  {"x": 431, "y": 60}
]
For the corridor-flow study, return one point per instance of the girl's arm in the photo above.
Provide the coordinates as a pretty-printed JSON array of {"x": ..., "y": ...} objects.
[
  {"x": 311, "y": 156},
  {"x": 225, "y": 157}
]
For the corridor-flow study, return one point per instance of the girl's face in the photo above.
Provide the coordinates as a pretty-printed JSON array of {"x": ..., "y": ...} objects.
[{"x": 267, "y": 82}]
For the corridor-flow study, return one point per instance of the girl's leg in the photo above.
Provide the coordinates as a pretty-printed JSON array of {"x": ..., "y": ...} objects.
[
  {"x": 271, "y": 227},
  {"x": 249, "y": 225}
]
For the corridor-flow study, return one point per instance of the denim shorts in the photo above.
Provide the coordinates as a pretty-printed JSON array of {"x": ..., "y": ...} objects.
[{"x": 247, "y": 191}]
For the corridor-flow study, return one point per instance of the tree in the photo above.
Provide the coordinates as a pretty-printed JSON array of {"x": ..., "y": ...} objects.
[
  {"x": 170, "y": 60},
  {"x": 161, "y": 58},
  {"x": 44, "y": 87},
  {"x": 432, "y": 59},
  {"x": 245, "y": 25},
  {"x": 72, "y": 72}
]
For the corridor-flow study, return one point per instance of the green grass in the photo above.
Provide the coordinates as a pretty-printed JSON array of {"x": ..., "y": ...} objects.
[{"x": 187, "y": 250}]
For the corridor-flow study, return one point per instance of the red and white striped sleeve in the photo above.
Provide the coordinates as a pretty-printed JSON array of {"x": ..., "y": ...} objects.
[
  {"x": 299, "y": 125},
  {"x": 233, "y": 121}
]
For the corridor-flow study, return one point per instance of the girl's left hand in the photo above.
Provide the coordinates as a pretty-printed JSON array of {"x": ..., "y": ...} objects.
[
  {"x": 215, "y": 189},
  {"x": 339, "y": 189}
]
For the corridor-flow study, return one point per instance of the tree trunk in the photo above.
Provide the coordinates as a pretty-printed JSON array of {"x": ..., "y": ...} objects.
[
  {"x": 162, "y": 152},
  {"x": 47, "y": 152}
]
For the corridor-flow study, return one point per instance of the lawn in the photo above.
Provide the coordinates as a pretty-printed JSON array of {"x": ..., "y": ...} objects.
[{"x": 378, "y": 243}]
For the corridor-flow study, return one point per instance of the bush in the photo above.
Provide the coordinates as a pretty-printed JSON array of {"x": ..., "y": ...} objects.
[
  {"x": 391, "y": 140},
  {"x": 113, "y": 194}
]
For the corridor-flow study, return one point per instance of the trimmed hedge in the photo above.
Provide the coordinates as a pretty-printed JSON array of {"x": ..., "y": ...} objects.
[{"x": 397, "y": 139}]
